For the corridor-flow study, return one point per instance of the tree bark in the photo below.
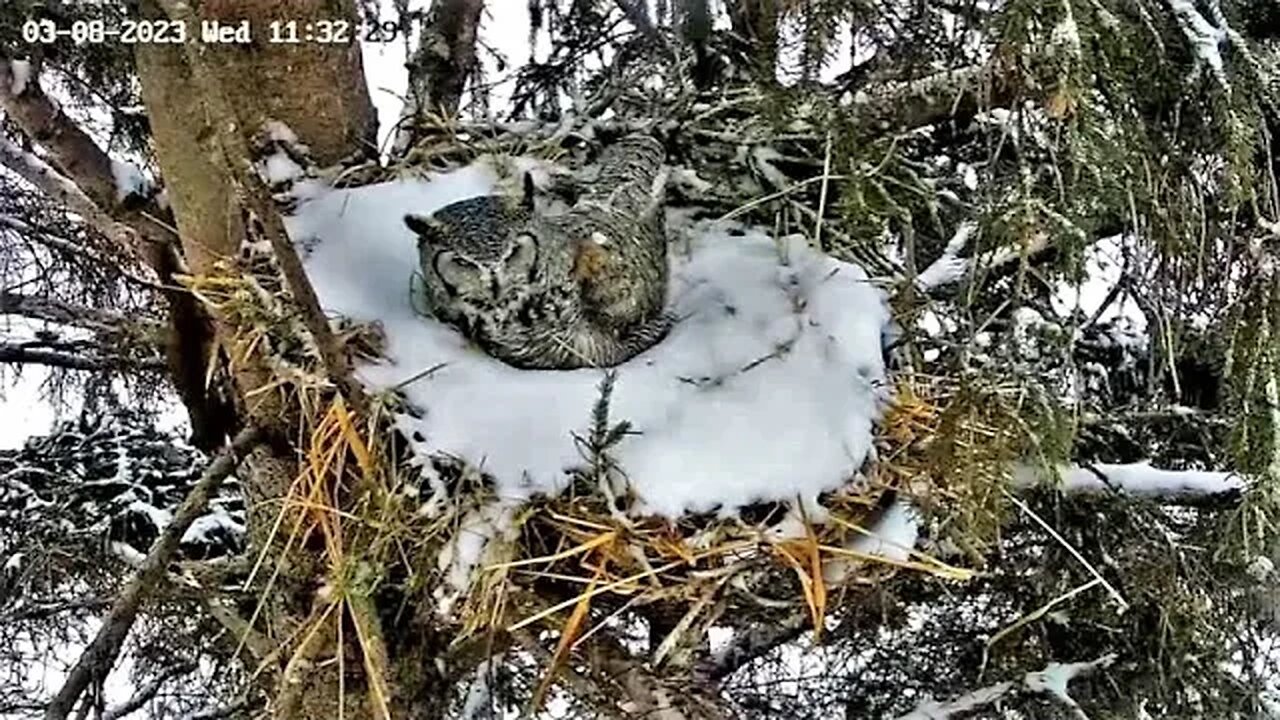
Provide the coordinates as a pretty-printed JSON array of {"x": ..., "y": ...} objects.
[
  {"x": 446, "y": 57},
  {"x": 318, "y": 91},
  {"x": 756, "y": 22}
]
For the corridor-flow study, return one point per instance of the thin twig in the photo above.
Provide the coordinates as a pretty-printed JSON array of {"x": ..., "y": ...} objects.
[{"x": 1124, "y": 605}]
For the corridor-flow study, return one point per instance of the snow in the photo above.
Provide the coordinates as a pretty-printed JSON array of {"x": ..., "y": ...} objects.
[
  {"x": 893, "y": 535},
  {"x": 204, "y": 529},
  {"x": 159, "y": 517},
  {"x": 129, "y": 180},
  {"x": 1206, "y": 40},
  {"x": 949, "y": 267},
  {"x": 932, "y": 710},
  {"x": 19, "y": 76},
  {"x": 766, "y": 389},
  {"x": 1138, "y": 479},
  {"x": 478, "y": 703},
  {"x": 1053, "y": 680},
  {"x": 127, "y": 554},
  {"x": 280, "y": 132},
  {"x": 278, "y": 168}
]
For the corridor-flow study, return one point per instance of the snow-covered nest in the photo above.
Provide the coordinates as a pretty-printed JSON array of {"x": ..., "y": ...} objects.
[{"x": 764, "y": 394}]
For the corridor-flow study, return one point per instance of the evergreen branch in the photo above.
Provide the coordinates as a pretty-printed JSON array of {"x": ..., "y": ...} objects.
[{"x": 97, "y": 659}]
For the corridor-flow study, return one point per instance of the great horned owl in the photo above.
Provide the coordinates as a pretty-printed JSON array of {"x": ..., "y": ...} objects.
[{"x": 584, "y": 288}]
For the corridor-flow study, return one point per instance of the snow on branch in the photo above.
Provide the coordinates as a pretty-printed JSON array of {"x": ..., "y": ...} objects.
[
  {"x": 96, "y": 660},
  {"x": 931, "y": 99},
  {"x": 94, "y": 186},
  {"x": 21, "y": 353},
  {"x": 30, "y": 167},
  {"x": 19, "y": 76},
  {"x": 63, "y": 313},
  {"x": 1052, "y": 681},
  {"x": 1206, "y": 39},
  {"x": 950, "y": 267},
  {"x": 1139, "y": 479}
]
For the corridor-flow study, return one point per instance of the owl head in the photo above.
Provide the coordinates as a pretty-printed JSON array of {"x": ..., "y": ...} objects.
[{"x": 479, "y": 257}]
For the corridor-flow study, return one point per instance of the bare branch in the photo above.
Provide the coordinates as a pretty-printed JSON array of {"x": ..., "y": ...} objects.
[
  {"x": 145, "y": 694},
  {"x": 96, "y": 660},
  {"x": 752, "y": 643},
  {"x": 637, "y": 13}
]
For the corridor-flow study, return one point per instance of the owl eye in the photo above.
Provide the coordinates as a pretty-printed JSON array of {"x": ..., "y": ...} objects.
[
  {"x": 460, "y": 275},
  {"x": 522, "y": 257}
]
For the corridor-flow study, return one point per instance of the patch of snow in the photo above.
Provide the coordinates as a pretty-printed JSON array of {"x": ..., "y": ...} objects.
[
  {"x": 949, "y": 267},
  {"x": 1260, "y": 568},
  {"x": 931, "y": 709},
  {"x": 158, "y": 516},
  {"x": 719, "y": 639},
  {"x": 766, "y": 390},
  {"x": 14, "y": 563},
  {"x": 1025, "y": 321},
  {"x": 129, "y": 180},
  {"x": 468, "y": 547},
  {"x": 278, "y": 169},
  {"x": 280, "y": 132},
  {"x": 1206, "y": 40},
  {"x": 203, "y": 529},
  {"x": 127, "y": 554},
  {"x": 1066, "y": 34},
  {"x": 19, "y": 76},
  {"x": 1053, "y": 680},
  {"x": 894, "y": 534},
  {"x": 478, "y": 704}
]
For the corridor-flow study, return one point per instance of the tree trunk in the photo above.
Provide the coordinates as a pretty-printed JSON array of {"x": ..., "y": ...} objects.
[
  {"x": 446, "y": 57},
  {"x": 756, "y": 22},
  {"x": 318, "y": 91}
]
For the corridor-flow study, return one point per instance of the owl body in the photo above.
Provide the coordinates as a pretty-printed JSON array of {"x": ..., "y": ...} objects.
[{"x": 584, "y": 288}]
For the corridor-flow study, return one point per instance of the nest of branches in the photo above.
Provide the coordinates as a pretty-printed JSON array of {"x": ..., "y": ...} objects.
[{"x": 578, "y": 563}]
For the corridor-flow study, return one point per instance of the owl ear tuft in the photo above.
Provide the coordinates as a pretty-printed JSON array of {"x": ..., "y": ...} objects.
[
  {"x": 530, "y": 188},
  {"x": 429, "y": 229}
]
